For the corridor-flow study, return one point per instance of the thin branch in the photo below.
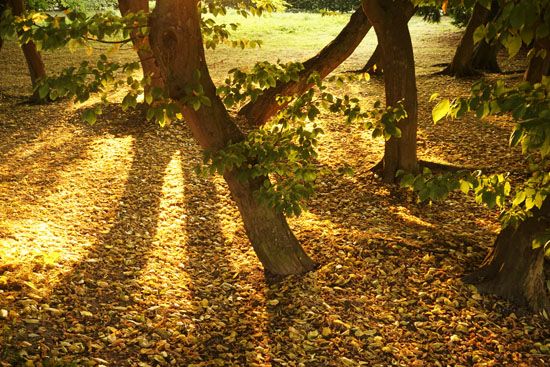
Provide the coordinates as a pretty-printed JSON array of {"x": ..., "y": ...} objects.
[{"x": 108, "y": 42}]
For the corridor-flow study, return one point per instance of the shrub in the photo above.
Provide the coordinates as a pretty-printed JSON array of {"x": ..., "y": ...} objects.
[{"x": 316, "y": 5}]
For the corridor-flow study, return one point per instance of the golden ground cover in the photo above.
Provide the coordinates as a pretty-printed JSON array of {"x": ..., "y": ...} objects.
[{"x": 113, "y": 252}]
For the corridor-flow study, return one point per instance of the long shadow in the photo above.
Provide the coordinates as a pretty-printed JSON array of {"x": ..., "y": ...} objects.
[
  {"x": 16, "y": 131},
  {"x": 227, "y": 281},
  {"x": 96, "y": 298}
]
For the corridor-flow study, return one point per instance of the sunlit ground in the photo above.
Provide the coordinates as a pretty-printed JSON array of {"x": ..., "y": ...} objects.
[{"x": 114, "y": 252}]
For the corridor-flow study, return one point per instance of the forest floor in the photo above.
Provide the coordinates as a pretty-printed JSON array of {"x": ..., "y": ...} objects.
[{"x": 114, "y": 253}]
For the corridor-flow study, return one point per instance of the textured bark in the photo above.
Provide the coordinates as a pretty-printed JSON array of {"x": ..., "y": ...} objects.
[
  {"x": 37, "y": 70},
  {"x": 461, "y": 65},
  {"x": 514, "y": 270},
  {"x": 485, "y": 57},
  {"x": 390, "y": 21},
  {"x": 141, "y": 44},
  {"x": 176, "y": 41},
  {"x": 374, "y": 64},
  {"x": 539, "y": 66},
  {"x": 259, "y": 111}
]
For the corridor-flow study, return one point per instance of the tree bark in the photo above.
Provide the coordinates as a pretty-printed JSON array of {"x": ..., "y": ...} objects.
[
  {"x": 514, "y": 270},
  {"x": 390, "y": 21},
  {"x": 37, "y": 70},
  {"x": 141, "y": 44},
  {"x": 374, "y": 64},
  {"x": 260, "y": 110},
  {"x": 539, "y": 66},
  {"x": 461, "y": 65},
  {"x": 485, "y": 57},
  {"x": 176, "y": 41}
]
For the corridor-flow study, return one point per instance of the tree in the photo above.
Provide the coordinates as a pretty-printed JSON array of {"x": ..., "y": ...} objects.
[
  {"x": 515, "y": 267},
  {"x": 462, "y": 63},
  {"x": 539, "y": 65},
  {"x": 177, "y": 43},
  {"x": 37, "y": 70},
  {"x": 141, "y": 42},
  {"x": 390, "y": 21},
  {"x": 374, "y": 65}
]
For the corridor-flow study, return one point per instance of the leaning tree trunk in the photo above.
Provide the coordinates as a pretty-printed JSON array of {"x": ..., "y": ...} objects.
[
  {"x": 461, "y": 65},
  {"x": 36, "y": 66},
  {"x": 485, "y": 57},
  {"x": 176, "y": 41},
  {"x": 390, "y": 21},
  {"x": 514, "y": 270},
  {"x": 260, "y": 110},
  {"x": 539, "y": 65},
  {"x": 141, "y": 43}
]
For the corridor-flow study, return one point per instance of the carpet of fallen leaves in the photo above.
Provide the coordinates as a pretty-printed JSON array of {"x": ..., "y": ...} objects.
[{"x": 114, "y": 253}]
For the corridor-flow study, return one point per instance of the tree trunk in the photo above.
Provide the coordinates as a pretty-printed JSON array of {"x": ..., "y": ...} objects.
[
  {"x": 539, "y": 66},
  {"x": 390, "y": 21},
  {"x": 141, "y": 44},
  {"x": 374, "y": 65},
  {"x": 260, "y": 110},
  {"x": 36, "y": 66},
  {"x": 3, "y": 4},
  {"x": 514, "y": 270},
  {"x": 177, "y": 44},
  {"x": 485, "y": 57},
  {"x": 461, "y": 65}
]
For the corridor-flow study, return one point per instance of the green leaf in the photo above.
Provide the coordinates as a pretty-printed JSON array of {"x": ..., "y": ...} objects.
[
  {"x": 517, "y": 18},
  {"x": 479, "y": 34},
  {"x": 196, "y": 104},
  {"x": 441, "y": 110},
  {"x": 43, "y": 91},
  {"x": 309, "y": 176},
  {"x": 148, "y": 98},
  {"x": 465, "y": 186},
  {"x": 513, "y": 44},
  {"x": 407, "y": 180},
  {"x": 89, "y": 116}
]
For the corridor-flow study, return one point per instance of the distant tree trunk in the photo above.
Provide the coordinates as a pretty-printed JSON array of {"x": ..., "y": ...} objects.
[
  {"x": 390, "y": 21},
  {"x": 36, "y": 66},
  {"x": 514, "y": 270},
  {"x": 539, "y": 66},
  {"x": 2, "y": 8},
  {"x": 374, "y": 65},
  {"x": 485, "y": 57},
  {"x": 176, "y": 41},
  {"x": 141, "y": 44},
  {"x": 461, "y": 65},
  {"x": 259, "y": 111}
]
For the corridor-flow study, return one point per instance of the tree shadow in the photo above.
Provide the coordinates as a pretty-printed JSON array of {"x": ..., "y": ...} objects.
[
  {"x": 227, "y": 281},
  {"x": 95, "y": 299}
]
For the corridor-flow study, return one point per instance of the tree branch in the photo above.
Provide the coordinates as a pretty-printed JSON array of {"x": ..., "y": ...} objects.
[{"x": 259, "y": 111}]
